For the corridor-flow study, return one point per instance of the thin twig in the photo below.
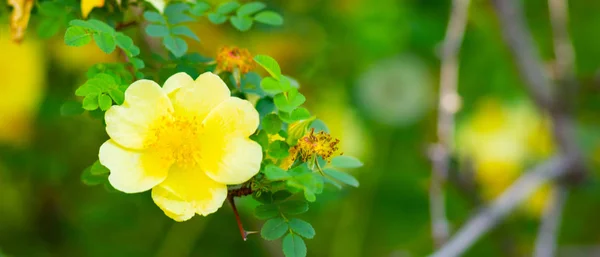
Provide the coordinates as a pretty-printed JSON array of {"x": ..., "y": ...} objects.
[
  {"x": 565, "y": 75},
  {"x": 487, "y": 218},
  {"x": 521, "y": 44},
  {"x": 448, "y": 104},
  {"x": 243, "y": 232},
  {"x": 545, "y": 245}
]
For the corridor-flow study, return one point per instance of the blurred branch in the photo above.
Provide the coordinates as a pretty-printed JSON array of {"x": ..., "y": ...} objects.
[
  {"x": 545, "y": 245},
  {"x": 448, "y": 104},
  {"x": 565, "y": 74},
  {"x": 567, "y": 165},
  {"x": 521, "y": 44},
  {"x": 563, "y": 48},
  {"x": 487, "y": 218}
]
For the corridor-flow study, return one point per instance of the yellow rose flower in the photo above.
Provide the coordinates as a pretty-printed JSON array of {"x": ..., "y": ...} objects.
[{"x": 186, "y": 141}]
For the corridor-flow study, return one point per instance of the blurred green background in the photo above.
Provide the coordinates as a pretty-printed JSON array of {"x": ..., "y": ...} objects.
[{"x": 370, "y": 70}]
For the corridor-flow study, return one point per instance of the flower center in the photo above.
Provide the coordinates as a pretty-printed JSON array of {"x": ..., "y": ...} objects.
[{"x": 177, "y": 138}]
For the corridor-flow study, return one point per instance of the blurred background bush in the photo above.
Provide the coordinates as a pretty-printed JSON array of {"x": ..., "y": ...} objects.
[{"x": 370, "y": 70}]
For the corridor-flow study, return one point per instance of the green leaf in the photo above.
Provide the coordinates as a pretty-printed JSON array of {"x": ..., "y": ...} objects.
[
  {"x": 181, "y": 18},
  {"x": 48, "y": 28},
  {"x": 269, "y": 17},
  {"x": 156, "y": 30},
  {"x": 342, "y": 177},
  {"x": 228, "y": 7},
  {"x": 300, "y": 114},
  {"x": 176, "y": 45},
  {"x": 296, "y": 115},
  {"x": 265, "y": 106},
  {"x": 319, "y": 126},
  {"x": 51, "y": 9},
  {"x": 137, "y": 63},
  {"x": 184, "y": 31},
  {"x": 243, "y": 23},
  {"x": 272, "y": 86},
  {"x": 91, "y": 180},
  {"x": 278, "y": 149},
  {"x": 250, "y": 8},
  {"x": 101, "y": 26},
  {"x": 98, "y": 169},
  {"x": 302, "y": 228},
  {"x": 71, "y": 108},
  {"x": 294, "y": 207},
  {"x": 272, "y": 172},
  {"x": 88, "y": 88},
  {"x": 280, "y": 196},
  {"x": 83, "y": 24},
  {"x": 344, "y": 161},
  {"x": 175, "y": 13},
  {"x": 152, "y": 16},
  {"x": 262, "y": 138},
  {"x": 104, "y": 102},
  {"x": 217, "y": 18},
  {"x": 309, "y": 195},
  {"x": 126, "y": 43},
  {"x": 289, "y": 101},
  {"x": 332, "y": 182},
  {"x": 77, "y": 36},
  {"x": 106, "y": 42},
  {"x": 269, "y": 64},
  {"x": 293, "y": 246},
  {"x": 109, "y": 188},
  {"x": 274, "y": 229},
  {"x": 90, "y": 102},
  {"x": 297, "y": 129},
  {"x": 200, "y": 8},
  {"x": 271, "y": 123},
  {"x": 117, "y": 95},
  {"x": 266, "y": 211}
]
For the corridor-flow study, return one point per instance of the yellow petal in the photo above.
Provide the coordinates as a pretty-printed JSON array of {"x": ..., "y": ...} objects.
[
  {"x": 130, "y": 124},
  {"x": 19, "y": 18},
  {"x": 201, "y": 97},
  {"x": 88, "y": 5},
  {"x": 232, "y": 160},
  {"x": 172, "y": 205},
  {"x": 187, "y": 191},
  {"x": 132, "y": 171},
  {"x": 233, "y": 116},
  {"x": 158, "y": 4},
  {"x": 177, "y": 81}
]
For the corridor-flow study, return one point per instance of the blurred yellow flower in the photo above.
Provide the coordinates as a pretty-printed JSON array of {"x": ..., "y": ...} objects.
[
  {"x": 500, "y": 140},
  {"x": 186, "y": 141},
  {"x": 23, "y": 77},
  {"x": 88, "y": 5}
]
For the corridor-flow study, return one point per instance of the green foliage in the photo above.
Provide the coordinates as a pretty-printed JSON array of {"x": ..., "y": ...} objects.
[
  {"x": 170, "y": 27},
  {"x": 91, "y": 179},
  {"x": 294, "y": 246},
  {"x": 285, "y": 184},
  {"x": 344, "y": 161},
  {"x": 301, "y": 228},
  {"x": 268, "y": 17},
  {"x": 271, "y": 123},
  {"x": 274, "y": 228},
  {"x": 241, "y": 16},
  {"x": 80, "y": 32},
  {"x": 54, "y": 15},
  {"x": 342, "y": 177}
]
